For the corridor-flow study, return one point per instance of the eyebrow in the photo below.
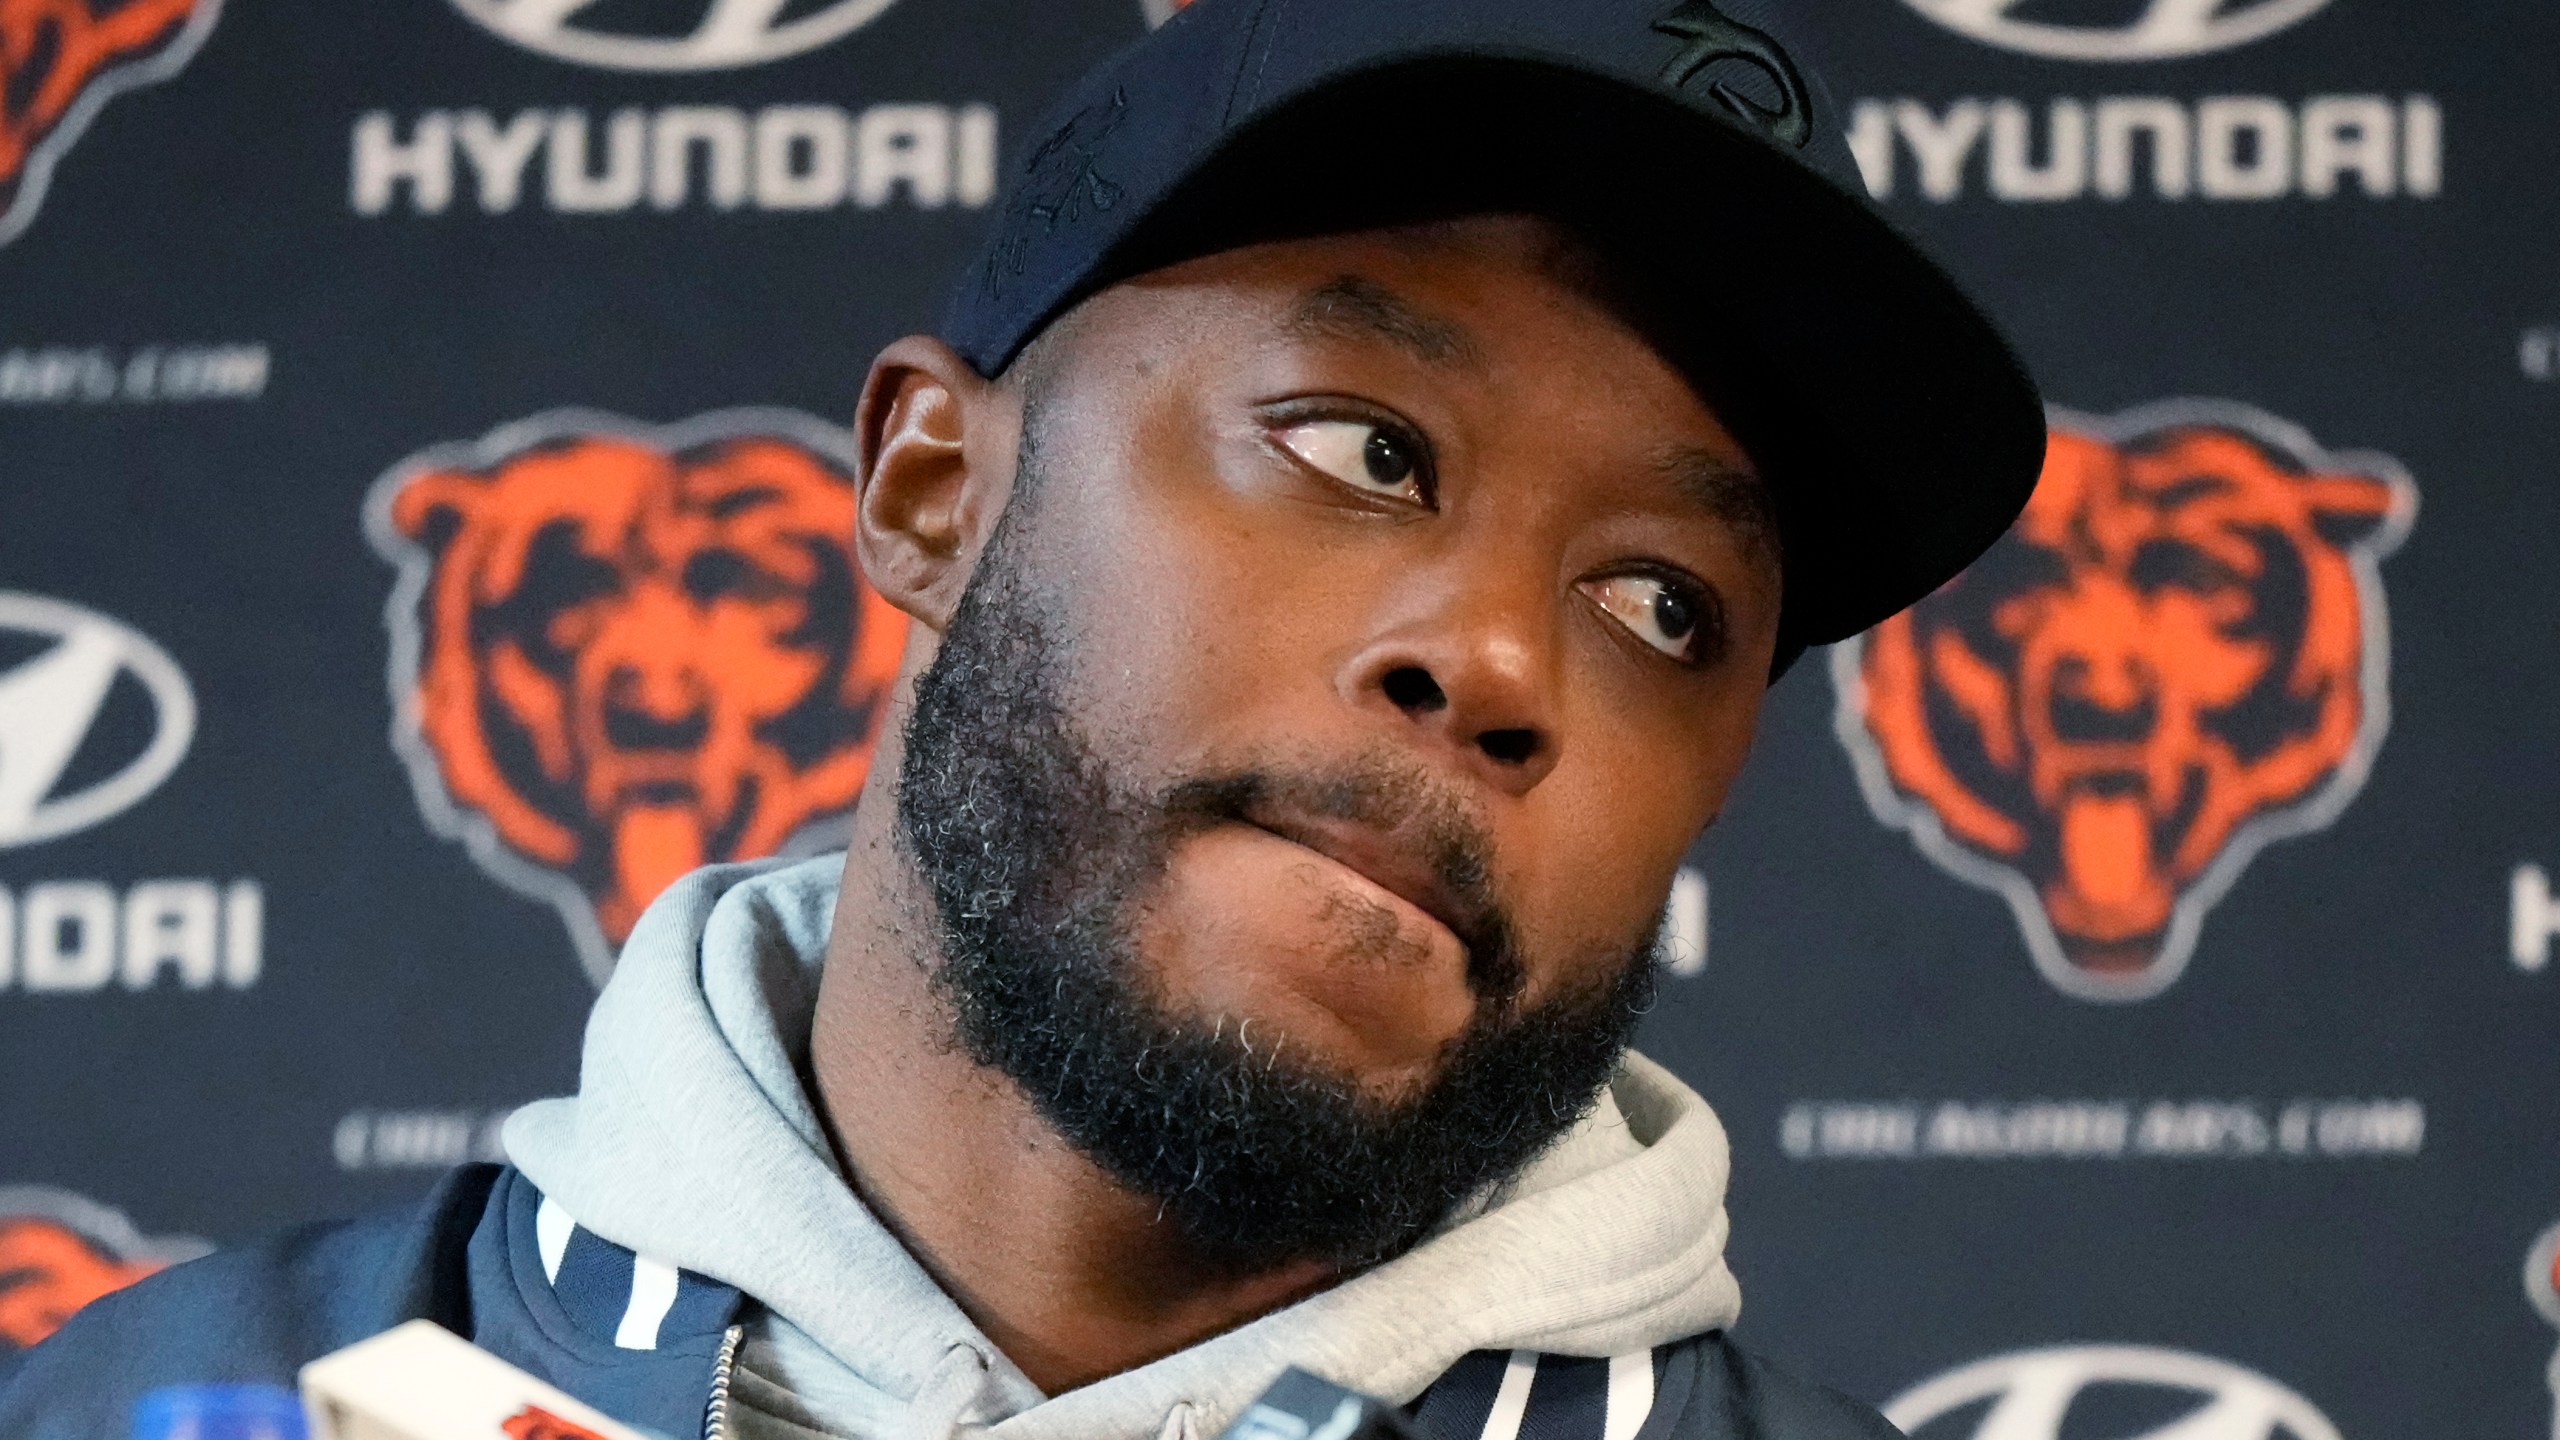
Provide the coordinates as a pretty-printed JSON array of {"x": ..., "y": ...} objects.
[
  {"x": 1356, "y": 308},
  {"x": 1726, "y": 489}
]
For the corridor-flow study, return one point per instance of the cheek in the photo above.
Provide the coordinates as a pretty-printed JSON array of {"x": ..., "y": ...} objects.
[
  {"x": 1608, "y": 831},
  {"x": 1197, "y": 620}
]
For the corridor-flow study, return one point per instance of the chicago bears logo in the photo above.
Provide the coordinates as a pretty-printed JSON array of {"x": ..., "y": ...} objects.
[
  {"x": 622, "y": 651},
  {"x": 2177, "y": 655},
  {"x": 59, "y": 1251},
  {"x": 60, "y": 62}
]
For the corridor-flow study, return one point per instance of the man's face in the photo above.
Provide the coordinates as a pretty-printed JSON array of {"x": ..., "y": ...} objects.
[{"x": 1375, "y": 623}]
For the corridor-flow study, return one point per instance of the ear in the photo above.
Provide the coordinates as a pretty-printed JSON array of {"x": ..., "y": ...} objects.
[
  {"x": 435, "y": 498},
  {"x": 2349, "y": 509},
  {"x": 937, "y": 443}
]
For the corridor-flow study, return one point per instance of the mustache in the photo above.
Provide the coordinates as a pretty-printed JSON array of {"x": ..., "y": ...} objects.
[{"x": 1393, "y": 800}]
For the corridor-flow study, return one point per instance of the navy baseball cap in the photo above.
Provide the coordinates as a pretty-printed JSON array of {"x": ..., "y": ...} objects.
[{"x": 1689, "y": 141}]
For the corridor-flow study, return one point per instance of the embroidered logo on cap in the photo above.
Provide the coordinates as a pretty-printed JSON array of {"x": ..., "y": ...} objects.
[
  {"x": 1060, "y": 185},
  {"x": 1712, "y": 36}
]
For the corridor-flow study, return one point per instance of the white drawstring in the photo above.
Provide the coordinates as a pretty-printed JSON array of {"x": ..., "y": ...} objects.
[{"x": 943, "y": 1401}]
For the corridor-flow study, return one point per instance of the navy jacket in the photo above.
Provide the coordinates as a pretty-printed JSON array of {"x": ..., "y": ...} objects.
[{"x": 469, "y": 1258}]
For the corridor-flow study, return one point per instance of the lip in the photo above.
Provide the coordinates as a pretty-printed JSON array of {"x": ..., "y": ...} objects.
[{"x": 1390, "y": 866}]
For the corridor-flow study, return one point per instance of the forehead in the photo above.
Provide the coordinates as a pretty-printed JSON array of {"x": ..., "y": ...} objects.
[{"x": 1507, "y": 314}]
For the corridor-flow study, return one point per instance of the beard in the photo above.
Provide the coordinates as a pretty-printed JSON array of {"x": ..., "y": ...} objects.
[{"x": 1040, "y": 860}]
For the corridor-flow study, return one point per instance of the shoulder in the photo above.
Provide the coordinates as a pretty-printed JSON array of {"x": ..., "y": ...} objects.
[
  {"x": 1739, "y": 1396},
  {"x": 256, "y": 1313}
]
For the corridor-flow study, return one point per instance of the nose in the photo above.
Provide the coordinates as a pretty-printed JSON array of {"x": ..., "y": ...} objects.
[
  {"x": 641, "y": 716},
  {"x": 2087, "y": 711},
  {"x": 1476, "y": 690}
]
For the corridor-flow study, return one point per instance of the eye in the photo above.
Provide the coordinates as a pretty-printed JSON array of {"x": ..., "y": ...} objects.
[
  {"x": 1369, "y": 457},
  {"x": 1680, "y": 620},
  {"x": 2160, "y": 564},
  {"x": 716, "y": 575}
]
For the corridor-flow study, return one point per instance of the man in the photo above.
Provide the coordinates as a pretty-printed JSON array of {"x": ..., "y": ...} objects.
[{"x": 1351, "y": 514}]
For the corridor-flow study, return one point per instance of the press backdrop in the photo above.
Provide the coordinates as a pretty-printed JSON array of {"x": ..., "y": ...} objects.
[{"x": 2126, "y": 979}]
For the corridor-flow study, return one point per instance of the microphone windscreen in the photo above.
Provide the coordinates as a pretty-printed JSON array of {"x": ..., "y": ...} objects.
[{"x": 419, "y": 1381}]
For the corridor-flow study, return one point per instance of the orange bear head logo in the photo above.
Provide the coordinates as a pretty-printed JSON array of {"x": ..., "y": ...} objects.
[
  {"x": 60, "y": 61},
  {"x": 2177, "y": 655},
  {"x": 621, "y": 652},
  {"x": 58, "y": 1252}
]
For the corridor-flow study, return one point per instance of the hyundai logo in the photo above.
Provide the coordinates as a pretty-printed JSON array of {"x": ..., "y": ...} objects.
[{"x": 51, "y": 704}]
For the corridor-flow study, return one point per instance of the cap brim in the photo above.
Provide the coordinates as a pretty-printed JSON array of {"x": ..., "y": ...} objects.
[{"x": 1898, "y": 432}]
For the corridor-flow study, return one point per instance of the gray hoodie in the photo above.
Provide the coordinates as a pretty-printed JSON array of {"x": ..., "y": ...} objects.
[{"x": 693, "y": 1142}]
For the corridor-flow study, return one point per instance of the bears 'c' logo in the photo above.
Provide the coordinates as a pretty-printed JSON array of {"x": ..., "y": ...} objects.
[
  {"x": 58, "y": 1252},
  {"x": 60, "y": 62},
  {"x": 2177, "y": 655},
  {"x": 621, "y": 651}
]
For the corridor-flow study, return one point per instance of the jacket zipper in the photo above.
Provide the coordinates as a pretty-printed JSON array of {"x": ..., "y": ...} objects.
[{"x": 715, "y": 1416}]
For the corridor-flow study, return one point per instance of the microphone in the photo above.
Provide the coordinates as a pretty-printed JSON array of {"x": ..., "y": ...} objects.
[
  {"x": 1304, "y": 1406},
  {"x": 419, "y": 1381}
]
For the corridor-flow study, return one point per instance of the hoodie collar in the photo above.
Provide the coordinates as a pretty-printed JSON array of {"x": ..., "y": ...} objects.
[{"x": 693, "y": 1141}]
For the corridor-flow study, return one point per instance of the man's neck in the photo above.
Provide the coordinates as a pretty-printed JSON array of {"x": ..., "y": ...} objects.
[{"x": 1073, "y": 1276}]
